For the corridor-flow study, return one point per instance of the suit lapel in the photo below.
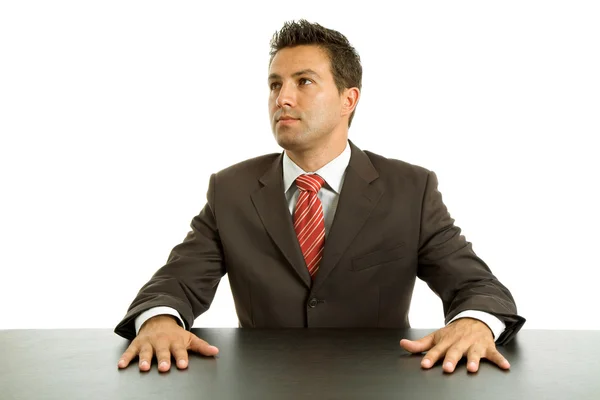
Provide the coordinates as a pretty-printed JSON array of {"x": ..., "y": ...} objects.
[
  {"x": 357, "y": 199},
  {"x": 273, "y": 210}
]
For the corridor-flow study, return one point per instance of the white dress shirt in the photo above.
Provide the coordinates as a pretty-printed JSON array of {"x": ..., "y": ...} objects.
[{"x": 333, "y": 173}]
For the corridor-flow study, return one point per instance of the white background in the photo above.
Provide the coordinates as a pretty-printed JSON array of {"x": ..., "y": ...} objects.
[{"x": 113, "y": 115}]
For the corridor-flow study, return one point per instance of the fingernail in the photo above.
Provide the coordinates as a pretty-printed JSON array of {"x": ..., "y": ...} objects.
[
  {"x": 449, "y": 365},
  {"x": 144, "y": 363},
  {"x": 181, "y": 363},
  {"x": 473, "y": 364},
  {"x": 164, "y": 364},
  {"x": 427, "y": 363},
  {"x": 121, "y": 363}
]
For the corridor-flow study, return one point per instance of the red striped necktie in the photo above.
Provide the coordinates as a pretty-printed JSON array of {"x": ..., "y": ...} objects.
[{"x": 309, "y": 221}]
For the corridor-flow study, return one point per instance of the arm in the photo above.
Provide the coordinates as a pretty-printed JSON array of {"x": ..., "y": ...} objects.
[
  {"x": 450, "y": 267},
  {"x": 496, "y": 325},
  {"x": 153, "y": 312},
  {"x": 189, "y": 280}
]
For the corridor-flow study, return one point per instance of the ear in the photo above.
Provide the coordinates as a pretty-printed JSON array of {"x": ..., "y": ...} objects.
[{"x": 350, "y": 97}]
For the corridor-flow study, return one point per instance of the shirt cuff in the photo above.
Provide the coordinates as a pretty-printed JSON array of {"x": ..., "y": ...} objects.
[
  {"x": 153, "y": 312},
  {"x": 494, "y": 323}
]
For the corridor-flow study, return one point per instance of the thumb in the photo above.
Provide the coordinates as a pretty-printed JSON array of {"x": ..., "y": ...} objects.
[
  {"x": 418, "y": 346},
  {"x": 200, "y": 346}
]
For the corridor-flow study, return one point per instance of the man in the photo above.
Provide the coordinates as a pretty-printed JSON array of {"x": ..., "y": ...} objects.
[{"x": 322, "y": 235}]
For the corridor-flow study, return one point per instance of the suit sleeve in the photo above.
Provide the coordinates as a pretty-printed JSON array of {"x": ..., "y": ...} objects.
[
  {"x": 189, "y": 280},
  {"x": 450, "y": 267}
]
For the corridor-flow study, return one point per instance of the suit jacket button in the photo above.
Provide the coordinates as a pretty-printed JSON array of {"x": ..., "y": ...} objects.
[{"x": 313, "y": 303}]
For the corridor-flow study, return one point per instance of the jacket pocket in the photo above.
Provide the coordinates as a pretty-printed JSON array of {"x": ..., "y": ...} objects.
[{"x": 378, "y": 257}]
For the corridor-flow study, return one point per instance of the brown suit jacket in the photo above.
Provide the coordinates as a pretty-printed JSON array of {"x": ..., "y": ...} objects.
[{"x": 390, "y": 227}]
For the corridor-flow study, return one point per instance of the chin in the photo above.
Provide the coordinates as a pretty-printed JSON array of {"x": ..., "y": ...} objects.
[
  {"x": 288, "y": 140},
  {"x": 287, "y": 143}
]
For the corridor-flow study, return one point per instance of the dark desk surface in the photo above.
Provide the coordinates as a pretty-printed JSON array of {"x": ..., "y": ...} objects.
[{"x": 295, "y": 364}]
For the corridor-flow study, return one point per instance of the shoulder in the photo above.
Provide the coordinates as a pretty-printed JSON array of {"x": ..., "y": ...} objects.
[
  {"x": 253, "y": 167},
  {"x": 401, "y": 178},
  {"x": 393, "y": 168}
]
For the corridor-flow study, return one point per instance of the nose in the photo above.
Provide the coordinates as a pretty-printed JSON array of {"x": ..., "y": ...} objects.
[{"x": 286, "y": 96}]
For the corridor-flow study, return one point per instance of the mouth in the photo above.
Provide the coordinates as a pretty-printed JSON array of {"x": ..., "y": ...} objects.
[{"x": 286, "y": 121}]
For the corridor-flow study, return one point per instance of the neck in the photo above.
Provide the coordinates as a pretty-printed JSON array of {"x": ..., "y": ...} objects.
[{"x": 311, "y": 160}]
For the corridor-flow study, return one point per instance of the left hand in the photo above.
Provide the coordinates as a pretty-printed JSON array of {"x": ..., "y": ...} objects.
[{"x": 465, "y": 336}]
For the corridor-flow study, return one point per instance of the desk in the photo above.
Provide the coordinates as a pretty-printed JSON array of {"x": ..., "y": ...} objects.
[{"x": 295, "y": 364}]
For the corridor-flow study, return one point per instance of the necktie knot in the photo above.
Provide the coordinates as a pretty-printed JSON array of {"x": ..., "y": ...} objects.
[{"x": 309, "y": 182}]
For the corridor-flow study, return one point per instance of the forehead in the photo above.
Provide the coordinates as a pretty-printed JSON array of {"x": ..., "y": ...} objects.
[{"x": 298, "y": 58}]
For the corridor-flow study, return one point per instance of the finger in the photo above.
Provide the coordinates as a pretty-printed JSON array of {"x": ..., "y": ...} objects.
[
  {"x": 163, "y": 355},
  {"x": 146, "y": 352},
  {"x": 418, "y": 346},
  {"x": 437, "y": 352},
  {"x": 494, "y": 356},
  {"x": 454, "y": 354},
  {"x": 474, "y": 354},
  {"x": 200, "y": 346},
  {"x": 180, "y": 354},
  {"x": 129, "y": 355}
]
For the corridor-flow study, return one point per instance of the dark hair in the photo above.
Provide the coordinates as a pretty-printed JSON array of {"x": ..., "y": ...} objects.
[{"x": 345, "y": 61}]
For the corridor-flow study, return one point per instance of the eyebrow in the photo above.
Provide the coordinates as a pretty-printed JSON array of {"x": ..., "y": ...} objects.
[{"x": 307, "y": 71}]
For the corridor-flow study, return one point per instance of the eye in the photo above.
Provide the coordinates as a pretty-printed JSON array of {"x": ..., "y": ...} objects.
[
  {"x": 274, "y": 85},
  {"x": 304, "y": 80}
]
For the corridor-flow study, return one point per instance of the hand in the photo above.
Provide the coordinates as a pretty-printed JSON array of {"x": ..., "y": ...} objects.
[
  {"x": 465, "y": 336},
  {"x": 162, "y": 335}
]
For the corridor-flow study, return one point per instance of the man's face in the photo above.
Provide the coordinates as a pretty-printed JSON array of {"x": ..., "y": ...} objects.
[{"x": 304, "y": 103}]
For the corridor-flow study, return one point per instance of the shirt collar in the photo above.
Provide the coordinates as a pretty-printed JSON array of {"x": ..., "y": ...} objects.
[{"x": 332, "y": 172}]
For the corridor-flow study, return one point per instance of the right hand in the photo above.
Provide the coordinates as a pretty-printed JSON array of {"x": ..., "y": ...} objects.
[{"x": 162, "y": 335}]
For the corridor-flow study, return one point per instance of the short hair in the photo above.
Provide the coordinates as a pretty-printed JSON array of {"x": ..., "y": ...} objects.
[{"x": 344, "y": 59}]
